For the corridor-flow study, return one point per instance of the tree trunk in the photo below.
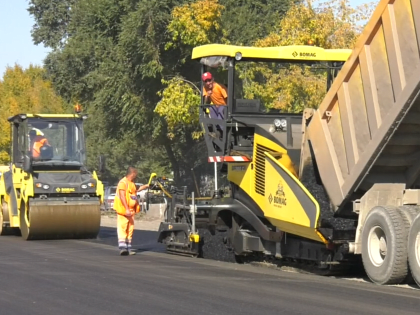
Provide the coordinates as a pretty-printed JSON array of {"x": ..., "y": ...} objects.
[{"x": 174, "y": 162}]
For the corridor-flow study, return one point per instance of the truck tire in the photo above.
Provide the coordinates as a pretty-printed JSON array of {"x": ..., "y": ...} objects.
[
  {"x": 414, "y": 249},
  {"x": 408, "y": 213},
  {"x": 384, "y": 246}
]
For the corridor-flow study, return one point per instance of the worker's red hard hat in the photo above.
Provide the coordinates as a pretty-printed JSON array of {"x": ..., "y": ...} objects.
[{"x": 206, "y": 76}]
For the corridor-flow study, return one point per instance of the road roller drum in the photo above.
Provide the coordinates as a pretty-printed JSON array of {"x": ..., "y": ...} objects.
[{"x": 59, "y": 219}]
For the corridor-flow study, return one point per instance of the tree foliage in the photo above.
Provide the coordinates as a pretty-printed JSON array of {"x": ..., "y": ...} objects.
[
  {"x": 196, "y": 23},
  {"x": 25, "y": 91},
  {"x": 245, "y": 21},
  {"x": 208, "y": 21},
  {"x": 329, "y": 25},
  {"x": 113, "y": 62},
  {"x": 128, "y": 62},
  {"x": 179, "y": 104},
  {"x": 51, "y": 21},
  {"x": 291, "y": 89}
]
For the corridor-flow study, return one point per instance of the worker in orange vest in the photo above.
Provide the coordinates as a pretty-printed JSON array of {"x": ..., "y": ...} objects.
[
  {"x": 126, "y": 205},
  {"x": 37, "y": 141}
]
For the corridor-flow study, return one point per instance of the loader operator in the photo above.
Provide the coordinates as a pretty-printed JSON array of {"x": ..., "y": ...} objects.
[
  {"x": 37, "y": 141},
  {"x": 126, "y": 205}
]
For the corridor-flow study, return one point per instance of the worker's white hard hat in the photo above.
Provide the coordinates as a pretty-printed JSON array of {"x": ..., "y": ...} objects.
[{"x": 36, "y": 132}]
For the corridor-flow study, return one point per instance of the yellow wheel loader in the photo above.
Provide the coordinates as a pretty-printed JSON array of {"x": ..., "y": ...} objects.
[
  {"x": 46, "y": 191},
  {"x": 333, "y": 187}
]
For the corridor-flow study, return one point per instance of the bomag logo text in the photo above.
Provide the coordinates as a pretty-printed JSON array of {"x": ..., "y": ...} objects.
[
  {"x": 304, "y": 54},
  {"x": 279, "y": 199},
  {"x": 66, "y": 190}
]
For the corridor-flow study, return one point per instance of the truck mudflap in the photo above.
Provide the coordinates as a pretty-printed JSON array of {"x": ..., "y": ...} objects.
[{"x": 62, "y": 218}]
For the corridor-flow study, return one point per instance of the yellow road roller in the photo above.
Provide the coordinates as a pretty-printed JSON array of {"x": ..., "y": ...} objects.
[{"x": 47, "y": 192}]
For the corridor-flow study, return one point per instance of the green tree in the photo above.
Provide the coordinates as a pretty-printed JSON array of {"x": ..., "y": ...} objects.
[
  {"x": 333, "y": 24},
  {"x": 196, "y": 23},
  {"x": 51, "y": 21},
  {"x": 245, "y": 21},
  {"x": 178, "y": 105},
  {"x": 234, "y": 22},
  {"x": 113, "y": 63}
]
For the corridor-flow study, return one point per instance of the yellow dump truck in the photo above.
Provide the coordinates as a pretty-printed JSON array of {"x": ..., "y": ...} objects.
[
  {"x": 332, "y": 187},
  {"x": 47, "y": 192}
]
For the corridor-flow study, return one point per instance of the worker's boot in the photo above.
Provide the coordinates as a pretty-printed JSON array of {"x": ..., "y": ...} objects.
[
  {"x": 123, "y": 248},
  {"x": 130, "y": 250}
]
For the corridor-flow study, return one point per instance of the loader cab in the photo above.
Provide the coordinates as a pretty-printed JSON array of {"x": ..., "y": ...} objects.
[
  {"x": 255, "y": 102},
  {"x": 48, "y": 142}
]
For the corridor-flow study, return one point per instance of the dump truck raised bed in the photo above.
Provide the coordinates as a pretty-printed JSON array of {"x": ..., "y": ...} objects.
[{"x": 334, "y": 185}]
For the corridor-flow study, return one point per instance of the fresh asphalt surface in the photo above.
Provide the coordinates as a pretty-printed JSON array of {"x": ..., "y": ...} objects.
[{"x": 89, "y": 277}]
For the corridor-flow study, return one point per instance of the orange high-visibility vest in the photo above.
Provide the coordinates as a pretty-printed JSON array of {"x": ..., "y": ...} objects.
[
  {"x": 39, "y": 142},
  {"x": 130, "y": 197}
]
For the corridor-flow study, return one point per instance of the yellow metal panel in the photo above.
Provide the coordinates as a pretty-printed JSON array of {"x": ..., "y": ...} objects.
[
  {"x": 298, "y": 230},
  {"x": 243, "y": 174},
  {"x": 100, "y": 191},
  {"x": 14, "y": 221},
  {"x": 240, "y": 174},
  {"x": 195, "y": 238},
  {"x": 293, "y": 52},
  {"x": 282, "y": 155},
  {"x": 23, "y": 182},
  {"x": 288, "y": 204},
  {"x": 280, "y": 201},
  {"x": 53, "y": 115}
]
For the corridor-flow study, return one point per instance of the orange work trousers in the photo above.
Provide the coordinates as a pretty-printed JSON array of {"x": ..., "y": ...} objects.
[{"x": 125, "y": 227}]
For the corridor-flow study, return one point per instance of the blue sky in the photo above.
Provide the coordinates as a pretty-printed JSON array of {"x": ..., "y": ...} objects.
[{"x": 16, "y": 44}]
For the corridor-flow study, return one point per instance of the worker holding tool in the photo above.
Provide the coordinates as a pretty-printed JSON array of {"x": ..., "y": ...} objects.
[{"x": 126, "y": 205}]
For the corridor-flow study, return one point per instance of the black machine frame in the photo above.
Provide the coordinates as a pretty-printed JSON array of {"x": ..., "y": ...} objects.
[{"x": 219, "y": 133}]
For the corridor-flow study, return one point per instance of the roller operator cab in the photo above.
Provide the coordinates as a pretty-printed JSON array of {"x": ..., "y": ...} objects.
[{"x": 48, "y": 192}]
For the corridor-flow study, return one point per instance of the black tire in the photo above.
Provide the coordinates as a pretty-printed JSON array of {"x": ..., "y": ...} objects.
[
  {"x": 384, "y": 246},
  {"x": 4, "y": 229},
  {"x": 414, "y": 249},
  {"x": 408, "y": 213}
]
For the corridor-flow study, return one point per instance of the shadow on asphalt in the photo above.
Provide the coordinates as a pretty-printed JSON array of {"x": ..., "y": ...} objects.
[
  {"x": 142, "y": 240},
  {"x": 146, "y": 241}
]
